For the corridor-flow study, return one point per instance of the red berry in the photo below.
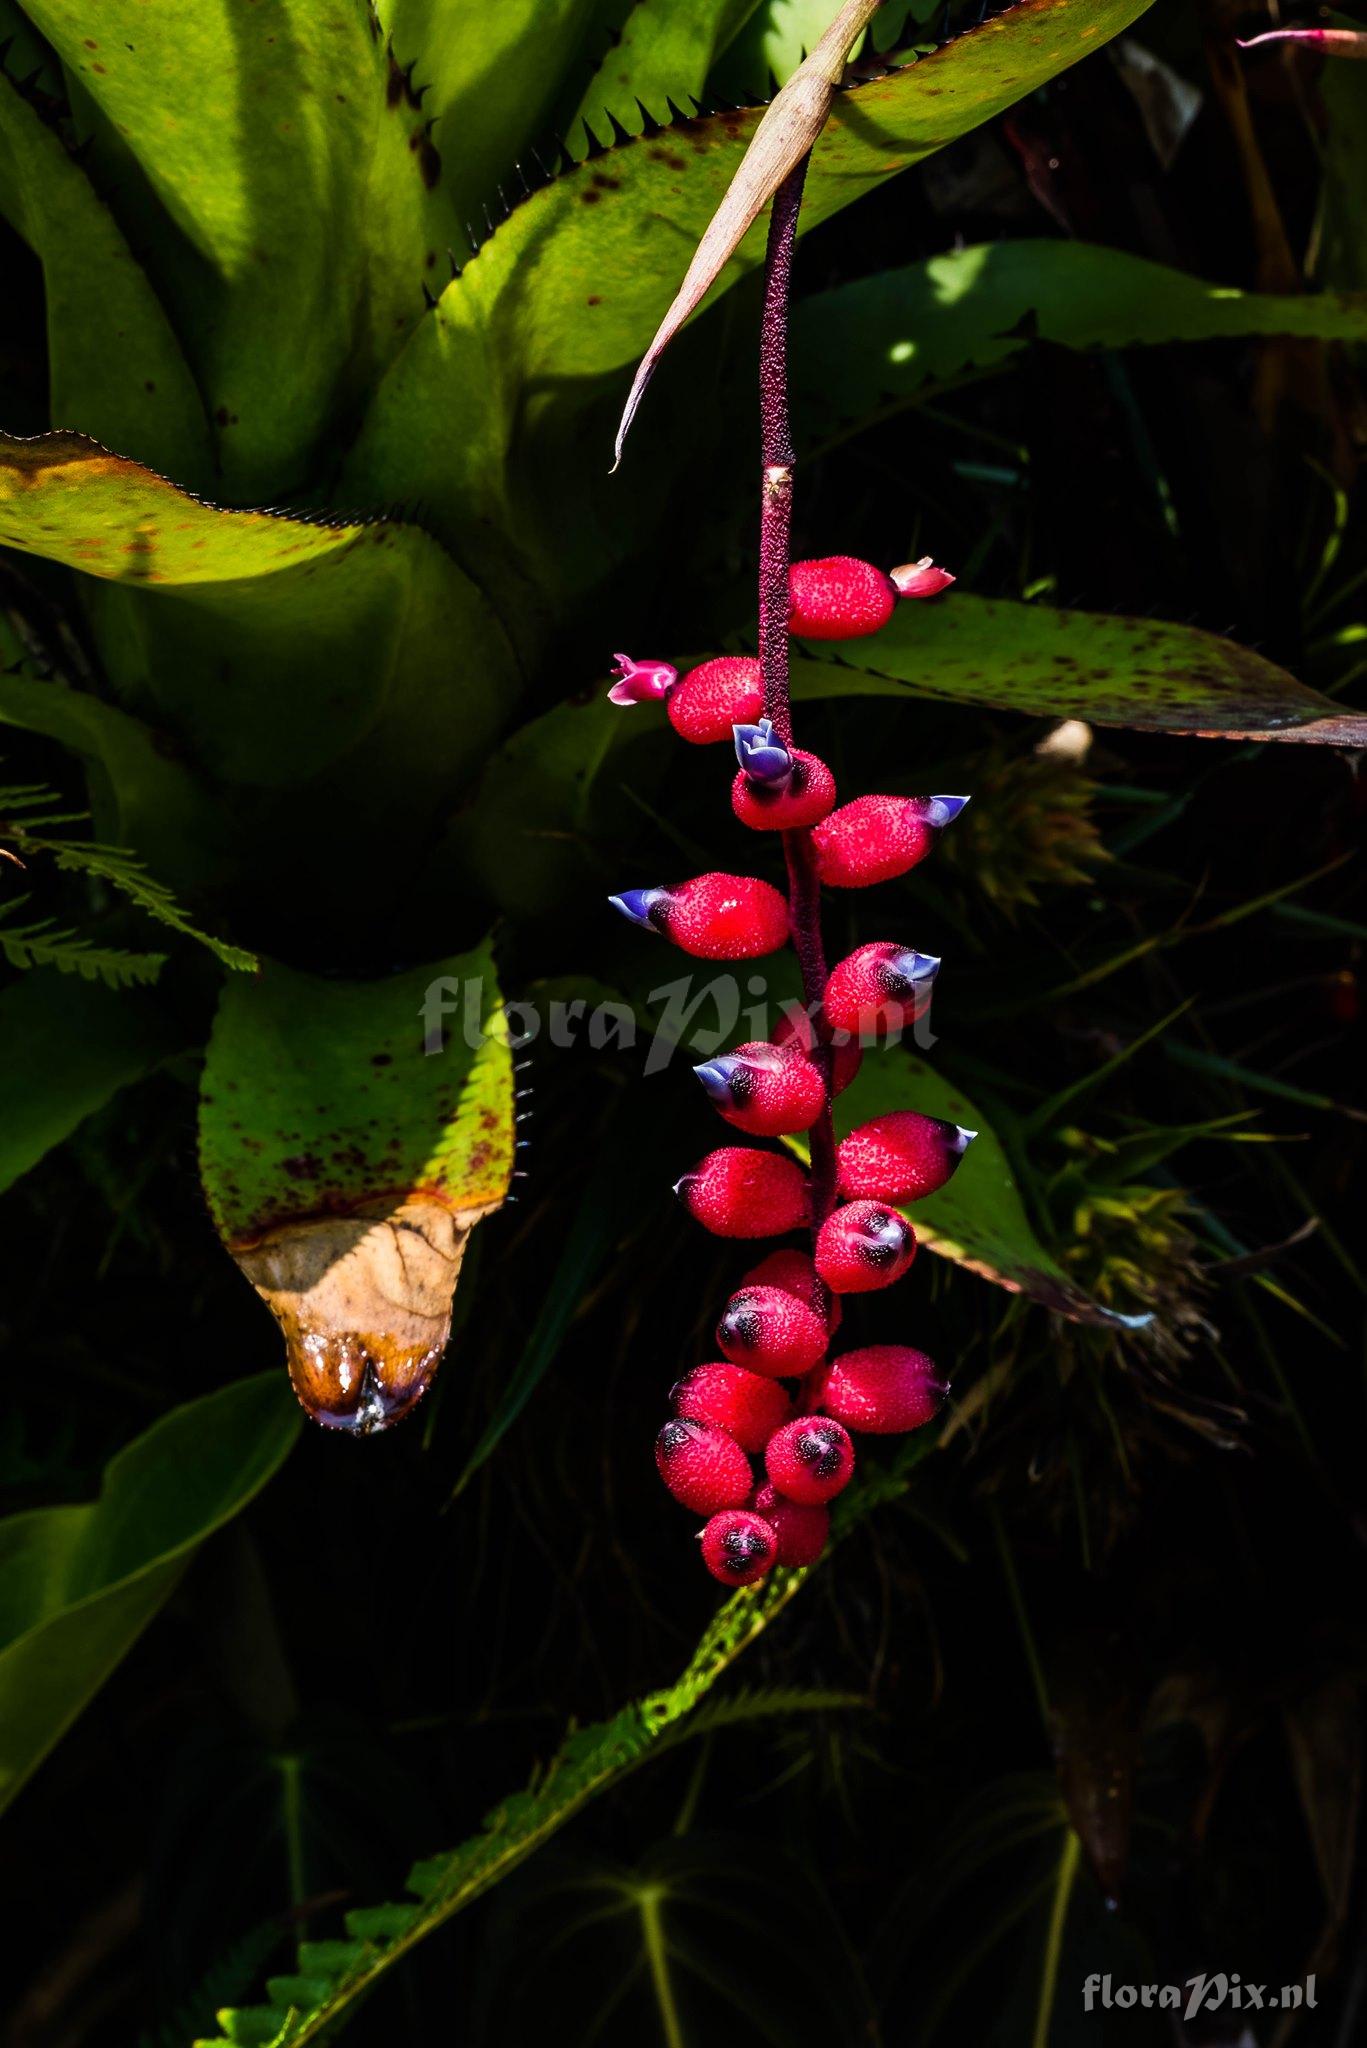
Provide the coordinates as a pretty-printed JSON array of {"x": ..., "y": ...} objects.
[
  {"x": 800, "y": 1533},
  {"x": 795, "y": 1024},
  {"x": 736, "y": 1192},
  {"x": 703, "y": 1467},
  {"x": 772, "y": 1331},
  {"x": 810, "y": 1460},
  {"x": 863, "y": 1246},
  {"x": 900, "y": 1157},
  {"x": 838, "y": 598},
  {"x": 805, "y": 797},
  {"x": 739, "y": 1546},
  {"x": 876, "y": 838},
  {"x": 713, "y": 917},
  {"x": 763, "y": 1091},
  {"x": 793, "y": 1272},
  {"x": 883, "y": 1389},
  {"x": 705, "y": 704},
  {"x": 882, "y": 986},
  {"x": 747, "y": 1406}
]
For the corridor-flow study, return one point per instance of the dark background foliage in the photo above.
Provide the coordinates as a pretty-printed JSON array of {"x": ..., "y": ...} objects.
[{"x": 1128, "y": 1586}]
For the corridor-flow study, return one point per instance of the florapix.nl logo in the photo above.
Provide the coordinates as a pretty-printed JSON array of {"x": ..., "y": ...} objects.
[{"x": 1208, "y": 1991}]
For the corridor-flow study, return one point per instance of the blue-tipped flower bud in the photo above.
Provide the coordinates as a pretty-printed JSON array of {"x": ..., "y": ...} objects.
[
  {"x": 943, "y": 810},
  {"x": 641, "y": 906},
  {"x": 762, "y": 755},
  {"x": 716, "y": 1077},
  {"x": 908, "y": 970}
]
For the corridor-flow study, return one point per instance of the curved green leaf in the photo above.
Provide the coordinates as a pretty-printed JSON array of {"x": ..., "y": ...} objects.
[
  {"x": 115, "y": 367},
  {"x": 665, "y": 52},
  {"x": 574, "y": 284},
  {"x": 274, "y": 645},
  {"x": 1046, "y": 663},
  {"x": 140, "y": 796},
  {"x": 866, "y": 349},
  {"x": 351, "y": 1136},
  {"x": 292, "y": 157},
  {"x": 67, "y": 1047},
  {"x": 79, "y": 1584},
  {"x": 489, "y": 80}
]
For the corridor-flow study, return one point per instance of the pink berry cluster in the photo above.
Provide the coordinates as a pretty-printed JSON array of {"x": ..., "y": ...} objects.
[{"x": 774, "y": 1394}]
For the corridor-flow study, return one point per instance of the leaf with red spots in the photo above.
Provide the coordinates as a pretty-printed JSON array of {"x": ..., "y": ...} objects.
[
  {"x": 351, "y": 1136},
  {"x": 1047, "y": 663}
]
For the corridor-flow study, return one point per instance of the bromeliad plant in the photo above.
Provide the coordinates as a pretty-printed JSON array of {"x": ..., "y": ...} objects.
[{"x": 322, "y": 263}]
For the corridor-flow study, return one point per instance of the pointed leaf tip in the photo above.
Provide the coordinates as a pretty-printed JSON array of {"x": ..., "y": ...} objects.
[{"x": 791, "y": 124}]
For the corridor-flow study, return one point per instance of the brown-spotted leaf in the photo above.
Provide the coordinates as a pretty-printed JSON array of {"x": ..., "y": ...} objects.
[
  {"x": 1033, "y": 658},
  {"x": 351, "y": 1136}
]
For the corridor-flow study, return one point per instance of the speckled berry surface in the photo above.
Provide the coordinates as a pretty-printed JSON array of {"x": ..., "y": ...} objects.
[
  {"x": 838, "y": 598},
  {"x": 703, "y": 1467},
  {"x": 772, "y": 1331},
  {"x": 706, "y": 703},
  {"x": 810, "y": 1460},
  {"x": 900, "y": 1157},
  {"x": 747, "y": 1405},
  {"x": 800, "y": 1532},
  {"x": 738, "y": 1191},
  {"x": 883, "y": 1389},
  {"x": 739, "y": 1546},
  {"x": 864, "y": 1246}
]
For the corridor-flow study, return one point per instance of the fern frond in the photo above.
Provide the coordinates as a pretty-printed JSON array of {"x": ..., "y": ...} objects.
[
  {"x": 27, "y": 821},
  {"x": 43, "y": 944},
  {"x": 230, "y": 1977},
  {"x": 122, "y": 870},
  {"x": 332, "y": 1976}
]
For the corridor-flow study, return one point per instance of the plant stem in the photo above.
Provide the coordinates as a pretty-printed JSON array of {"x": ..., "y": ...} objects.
[{"x": 778, "y": 460}]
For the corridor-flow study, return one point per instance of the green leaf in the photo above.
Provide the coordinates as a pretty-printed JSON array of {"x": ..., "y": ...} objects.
[
  {"x": 65, "y": 1050},
  {"x": 491, "y": 81},
  {"x": 978, "y": 1219},
  {"x": 351, "y": 1136},
  {"x": 574, "y": 284},
  {"x": 664, "y": 52},
  {"x": 864, "y": 350},
  {"x": 275, "y": 645},
  {"x": 538, "y": 828},
  {"x": 290, "y": 197},
  {"x": 1056, "y": 664},
  {"x": 115, "y": 368},
  {"x": 139, "y": 795},
  {"x": 79, "y": 1584}
]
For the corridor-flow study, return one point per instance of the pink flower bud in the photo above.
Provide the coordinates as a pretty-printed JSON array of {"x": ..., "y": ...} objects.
[
  {"x": 921, "y": 579},
  {"x": 1330, "y": 42},
  {"x": 640, "y": 682}
]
